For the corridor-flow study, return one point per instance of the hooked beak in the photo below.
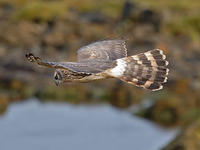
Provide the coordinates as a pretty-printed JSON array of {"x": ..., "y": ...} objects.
[{"x": 57, "y": 83}]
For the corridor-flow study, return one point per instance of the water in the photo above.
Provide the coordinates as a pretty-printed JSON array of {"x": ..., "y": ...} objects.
[{"x": 32, "y": 125}]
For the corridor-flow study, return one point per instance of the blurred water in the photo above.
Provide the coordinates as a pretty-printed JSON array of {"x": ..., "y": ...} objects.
[{"x": 32, "y": 125}]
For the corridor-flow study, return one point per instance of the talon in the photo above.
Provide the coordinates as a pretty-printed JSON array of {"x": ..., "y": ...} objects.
[{"x": 30, "y": 57}]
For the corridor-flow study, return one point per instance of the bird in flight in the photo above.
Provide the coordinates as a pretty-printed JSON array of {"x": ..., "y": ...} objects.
[{"x": 108, "y": 59}]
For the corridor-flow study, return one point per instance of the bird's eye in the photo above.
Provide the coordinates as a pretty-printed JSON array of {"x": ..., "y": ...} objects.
[{"x": 56, "y": 77}]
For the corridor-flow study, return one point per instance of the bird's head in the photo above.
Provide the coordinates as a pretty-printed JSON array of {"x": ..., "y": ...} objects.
[{"x": 58, "y": 78}]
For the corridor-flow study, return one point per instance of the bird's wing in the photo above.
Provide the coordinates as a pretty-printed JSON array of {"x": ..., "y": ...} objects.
[
  {"x": 85, "y": 67},
  {"x": 109, "y": 49},
  {"x": 32, "y": 58}
]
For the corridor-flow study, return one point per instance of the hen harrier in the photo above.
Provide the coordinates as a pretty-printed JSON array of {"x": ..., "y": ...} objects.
[{"x": 108, "y": 59}]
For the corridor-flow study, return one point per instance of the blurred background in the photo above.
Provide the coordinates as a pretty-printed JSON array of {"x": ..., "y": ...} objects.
[{"x": 32, "y": 107}]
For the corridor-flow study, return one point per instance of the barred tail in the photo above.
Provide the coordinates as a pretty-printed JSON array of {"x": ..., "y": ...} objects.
[{"x": 147, "y": 70}]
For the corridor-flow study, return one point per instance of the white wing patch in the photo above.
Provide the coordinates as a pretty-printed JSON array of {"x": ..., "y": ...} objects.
[{"x": 118, "y": 71}]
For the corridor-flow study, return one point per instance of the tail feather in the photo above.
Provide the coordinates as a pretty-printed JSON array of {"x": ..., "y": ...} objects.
[{"x": 147, "y": 70}]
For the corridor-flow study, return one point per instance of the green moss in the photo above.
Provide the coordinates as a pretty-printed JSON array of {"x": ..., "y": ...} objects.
[
  {"x": 83, "y": 6},
  {"x": 189, "y": 25},
  {"x": 178, "y": 5},
  {"x": 41, "y": 10},
  {"x": 191, "y": 114},
  {"x": 62, "y": 94},
  {"x": 112, "y": 9},
  {"x": 28, "y": 91},
  {"x": 166, "y": 116}
]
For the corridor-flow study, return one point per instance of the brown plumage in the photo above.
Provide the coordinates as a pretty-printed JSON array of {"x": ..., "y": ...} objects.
[
  {"x": 108, "y": 59},
  {"x": 147, "y": 70}
]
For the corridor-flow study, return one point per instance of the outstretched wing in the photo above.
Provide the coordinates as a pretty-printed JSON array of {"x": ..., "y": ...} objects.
[
  {"x": 80, "y": 67},
  {"x": 32, "y": 58},
  {"x": 110, "y": 49}
]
